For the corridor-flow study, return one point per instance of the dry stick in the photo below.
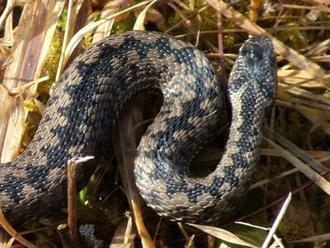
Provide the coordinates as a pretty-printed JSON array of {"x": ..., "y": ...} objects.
[
  {"x": 186, "y": 20},
  {"x": 81, "y": 33},
  {"x": 317, "y": 238},
  {"x": 183, "y": 231},
  {"x": 67, "y": 31},
  {"x": 253, "y": 12},
  {"x": 189, "y": 24},
  {"x": 4, "y": 223},
  {"x": 211, "y": 241},
  {"x": 318, "y": 155},
  {"x": 278, "y": 200},
  {"x": 21, "y": 89},
  {"x": 273, "y": 178},
  {"x": 125, "y": 152},
  {"x": 8, "y": 9},
  {"x": 277, "y": 221},
  {"x": 220, "y": 44},
  {"x": 304, "y": 168},
  {"x": 72, "y": 165},
  {"x": 72, "y": 218},
  {"x": 273, "y": 29},
  {"x": 176, "y": 25},
  {"x": 291, "y": 55},
  {"x": 295, "y": 150}
]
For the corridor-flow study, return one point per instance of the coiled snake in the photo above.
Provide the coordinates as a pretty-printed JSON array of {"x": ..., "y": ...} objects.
[{"x": 86, "y": 103}]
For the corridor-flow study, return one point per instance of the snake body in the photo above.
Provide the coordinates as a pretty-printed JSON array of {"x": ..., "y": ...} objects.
[{"x": 85, "y": 105}]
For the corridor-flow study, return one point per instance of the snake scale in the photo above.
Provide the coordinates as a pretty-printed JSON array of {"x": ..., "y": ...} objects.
[{"x": 89, "y": 96}]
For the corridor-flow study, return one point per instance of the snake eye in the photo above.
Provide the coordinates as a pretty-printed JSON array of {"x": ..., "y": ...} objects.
[{"x": 252, "y": 53}]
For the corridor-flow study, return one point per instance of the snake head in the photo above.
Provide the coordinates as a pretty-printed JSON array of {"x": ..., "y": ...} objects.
[{"x": 255, "y": 68}]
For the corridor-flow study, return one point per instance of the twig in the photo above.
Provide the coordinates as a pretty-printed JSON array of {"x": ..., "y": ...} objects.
[
  {"x": 72, "y": 166},
  {"x": 15, "y": 235},
  {"x": 67, "y": 32},
  {"x": 278, "y": 200},
  {"x": 220, "y": 44},
  {"x": 21, "y": 89},
  {"x": 253, "y": 12},
  {"x": 304, "y": 168},
  {"x": 18, "y": 236},
  {"x": 125, "y": 153},
  {"x": 81, "y": 33},
  {"x": 277, "y": 221},
  {"x": 317, "y": 238},
  {"x": 8, "y": 9},
  {"x": 290, "y": 54},
  {"x": 296, "y": 151}
]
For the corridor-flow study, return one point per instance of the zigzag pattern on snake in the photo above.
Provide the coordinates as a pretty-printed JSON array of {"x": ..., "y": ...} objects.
[{"x": 85, "y": 105}]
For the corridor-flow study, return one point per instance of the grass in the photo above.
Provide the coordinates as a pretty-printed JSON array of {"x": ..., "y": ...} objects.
[{"x": 295, "y": 155}]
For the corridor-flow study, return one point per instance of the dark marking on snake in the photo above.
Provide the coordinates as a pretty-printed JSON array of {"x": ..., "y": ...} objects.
[{"x": 85, "y": 105}]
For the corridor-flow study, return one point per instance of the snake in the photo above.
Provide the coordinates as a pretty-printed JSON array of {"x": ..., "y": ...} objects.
[{"x": 85, "y": 104}]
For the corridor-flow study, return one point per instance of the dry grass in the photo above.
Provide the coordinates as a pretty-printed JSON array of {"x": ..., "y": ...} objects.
[{"x": 295, "y": 154}]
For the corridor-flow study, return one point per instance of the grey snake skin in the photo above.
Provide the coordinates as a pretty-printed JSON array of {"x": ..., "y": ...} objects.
[{"x": 85, "y": 105}]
